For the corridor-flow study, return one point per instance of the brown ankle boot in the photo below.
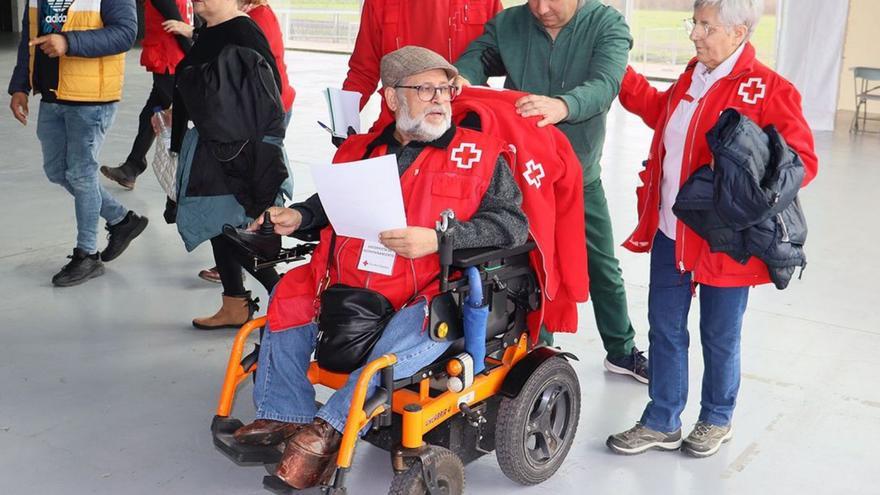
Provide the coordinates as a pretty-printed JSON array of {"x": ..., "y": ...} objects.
[
  {"x": 235, "y": 312},
  {"x": 310, "y": 455}
]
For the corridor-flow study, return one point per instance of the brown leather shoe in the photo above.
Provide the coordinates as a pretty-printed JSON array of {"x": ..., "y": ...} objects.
[
  {"x": 265, "y": 432},
  {"x": 310, "y": 456},
  {"x": 235, "y": 312}
]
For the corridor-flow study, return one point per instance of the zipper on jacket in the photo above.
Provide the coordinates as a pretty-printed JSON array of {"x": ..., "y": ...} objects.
[
  {"x": 687, "y": 166},
  {"x": 785, "y": 237}
]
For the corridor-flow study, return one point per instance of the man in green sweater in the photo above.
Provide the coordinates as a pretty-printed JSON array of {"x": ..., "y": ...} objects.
[{"x": 571, "y": 56}]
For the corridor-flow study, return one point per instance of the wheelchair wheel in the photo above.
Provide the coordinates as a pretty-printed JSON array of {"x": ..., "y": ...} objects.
[
  {"x": 535, "y": 430},
  {"x": 448, "y": 472}
]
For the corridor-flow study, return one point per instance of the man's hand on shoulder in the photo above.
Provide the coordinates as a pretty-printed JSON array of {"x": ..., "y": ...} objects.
[
  {"x": 286, "y": 220},
  {"x": 411, "y": 242},
  {"x": 554, "y": 110},
  {"x": 19, "y": 106},
  {"x": 53, "y": 45}
]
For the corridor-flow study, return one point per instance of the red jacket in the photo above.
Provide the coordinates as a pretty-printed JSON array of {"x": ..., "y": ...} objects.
[
  {"x": 444, "y": 26},
  {"x": 265, "y": 18},
  {"x": 161, "y": 53},
  {"x": 755, "y": 91},
  {"x": 433, "y": 183},
  {"x": 550, "y": 178}
]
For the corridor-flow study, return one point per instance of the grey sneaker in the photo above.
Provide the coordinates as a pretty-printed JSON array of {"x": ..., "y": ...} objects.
[
  {"x": 640, "y": 438},
  {"x": 706, "y": 439}
]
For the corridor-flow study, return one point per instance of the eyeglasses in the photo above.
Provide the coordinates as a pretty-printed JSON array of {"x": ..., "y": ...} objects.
[
  {"x": 700, "y": 29},
  {"x": 428, "y": 92}
]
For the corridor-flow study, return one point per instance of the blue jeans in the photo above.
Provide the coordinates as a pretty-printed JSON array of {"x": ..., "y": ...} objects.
[
  {"x": 71, "y": 137},
  {"x": 282, "y": 391},
  {"x": 721, "y": 315}
]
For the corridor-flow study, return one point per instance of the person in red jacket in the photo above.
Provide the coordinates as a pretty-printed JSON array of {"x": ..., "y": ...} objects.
[
  {"x": 441, "y": 167},
  {"x": 443, "y": 26},
  {"x": 160, "y": 55},
  {"x": 724, "y": 74}
]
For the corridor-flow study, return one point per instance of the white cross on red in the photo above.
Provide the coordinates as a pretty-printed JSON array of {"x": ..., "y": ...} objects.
[
  {"x": 466, "y": 155},
  {"x": 752, "y": 90},
  {"x": 534, "y": 173}
]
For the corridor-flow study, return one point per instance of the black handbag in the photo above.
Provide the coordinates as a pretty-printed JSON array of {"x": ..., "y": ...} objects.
[
  {"x": 349, "y": 325},
  {"x": 350, "y": 322}
]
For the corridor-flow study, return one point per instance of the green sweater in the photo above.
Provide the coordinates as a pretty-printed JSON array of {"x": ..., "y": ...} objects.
[{"x": 583, "y": 67}]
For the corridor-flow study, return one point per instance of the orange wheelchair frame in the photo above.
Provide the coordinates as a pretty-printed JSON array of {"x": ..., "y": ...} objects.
[{"x": 531, "y": 394}]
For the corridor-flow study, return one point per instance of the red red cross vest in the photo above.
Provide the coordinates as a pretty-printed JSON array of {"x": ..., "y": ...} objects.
[
  {"x": 161, "y": 53},
  {"x": 455, "y": 177}
]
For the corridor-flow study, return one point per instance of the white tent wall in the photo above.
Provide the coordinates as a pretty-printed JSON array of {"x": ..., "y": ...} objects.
[
  {"x": 860, "y": 48},
  {"x": 809, "y": 54}
]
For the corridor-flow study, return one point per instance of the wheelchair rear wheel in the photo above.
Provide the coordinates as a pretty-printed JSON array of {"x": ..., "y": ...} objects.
[
  {"x": 448, "y": 474},
  {"x": 534, "y": 431}
]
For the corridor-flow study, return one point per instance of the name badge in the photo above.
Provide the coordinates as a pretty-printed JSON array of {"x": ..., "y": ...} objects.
[{"x": 376, "y": 258}]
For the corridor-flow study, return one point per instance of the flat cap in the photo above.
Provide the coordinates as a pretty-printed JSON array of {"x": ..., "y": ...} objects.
[{"x": 409, "y": 60}]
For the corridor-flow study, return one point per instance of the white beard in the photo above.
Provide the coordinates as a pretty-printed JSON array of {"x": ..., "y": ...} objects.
[{"x": 417, "y": 127}]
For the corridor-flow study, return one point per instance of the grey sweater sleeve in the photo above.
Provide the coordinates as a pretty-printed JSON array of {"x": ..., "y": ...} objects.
[{"x": 500, "y": 221}]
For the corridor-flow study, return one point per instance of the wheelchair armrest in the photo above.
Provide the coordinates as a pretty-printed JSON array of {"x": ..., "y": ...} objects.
[
  {"x": 463, "y": 258},
  {"x": 311, "y": 235}
]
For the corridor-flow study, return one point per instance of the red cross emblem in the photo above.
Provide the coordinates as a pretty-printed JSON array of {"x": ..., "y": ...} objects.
[
  {"x": 466, "y": 155},
  {"x": 752, "y": 90},
  {"x": 534, "y": 173}
]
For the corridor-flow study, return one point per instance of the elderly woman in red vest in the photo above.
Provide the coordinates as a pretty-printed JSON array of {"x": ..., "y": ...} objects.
[
  {"x": 724, "y": 74},
  {"x": 160, "y": 55}
]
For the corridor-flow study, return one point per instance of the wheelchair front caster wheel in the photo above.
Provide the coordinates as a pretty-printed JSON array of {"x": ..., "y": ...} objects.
[{"x": 443, "y": 474}]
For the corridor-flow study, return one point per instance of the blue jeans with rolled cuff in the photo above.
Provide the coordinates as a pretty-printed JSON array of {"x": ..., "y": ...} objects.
[{"x": 282, "y": 391}]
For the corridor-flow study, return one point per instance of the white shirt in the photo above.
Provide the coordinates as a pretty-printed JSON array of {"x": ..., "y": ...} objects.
[{"x": 675, "y": 135}]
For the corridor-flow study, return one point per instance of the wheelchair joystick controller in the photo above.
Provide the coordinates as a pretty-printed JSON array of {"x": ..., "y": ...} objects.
[{"x": 267, "y": 228}]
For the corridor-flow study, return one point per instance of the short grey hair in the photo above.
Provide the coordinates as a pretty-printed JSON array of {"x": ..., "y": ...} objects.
[{"x": 736, "y": 12}]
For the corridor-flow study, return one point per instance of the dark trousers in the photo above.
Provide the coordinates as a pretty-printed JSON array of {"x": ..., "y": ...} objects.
[
  {"x": 230, "y": 261},
  {"x": 161, "y": 95},
  {"x": 606, "y": 280}
]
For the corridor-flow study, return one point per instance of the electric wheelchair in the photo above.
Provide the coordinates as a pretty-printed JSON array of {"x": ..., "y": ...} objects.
[{"x": 524, "y": 405}]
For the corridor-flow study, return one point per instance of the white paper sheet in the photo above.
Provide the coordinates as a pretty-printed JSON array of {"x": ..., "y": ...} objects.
[
  {"x": 344, "y": 109},
  {"x": 361, "y": 198}
]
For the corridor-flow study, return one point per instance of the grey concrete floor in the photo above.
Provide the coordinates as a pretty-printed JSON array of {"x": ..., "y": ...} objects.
[{"x": 105, "y": 388}]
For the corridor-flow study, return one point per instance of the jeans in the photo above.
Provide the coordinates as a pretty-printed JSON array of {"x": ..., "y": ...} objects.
[
  {"x": 282, "y": 391},
  {"x": 606, "y": 279},
  {"x": 71, "y": 137},
  {"x": 721, "y": 316}
]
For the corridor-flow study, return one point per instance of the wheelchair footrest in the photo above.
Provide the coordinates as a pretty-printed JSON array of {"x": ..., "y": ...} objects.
[
  {"x": 276, "y": 485},
  {"x": 222, "y": 429}
]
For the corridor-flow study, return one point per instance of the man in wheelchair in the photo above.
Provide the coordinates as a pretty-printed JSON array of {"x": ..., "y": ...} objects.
[{"x": 442, "y": 167}]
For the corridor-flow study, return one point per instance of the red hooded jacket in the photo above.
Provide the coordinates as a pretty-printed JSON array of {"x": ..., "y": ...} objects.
[
  {"x": 444, "y": 26},
  {"x": 549, "y": 175},
  {"x": 754, "y": 90},
  {"x": 437, "y": 180},
  {"x": 161, "y": 53}
]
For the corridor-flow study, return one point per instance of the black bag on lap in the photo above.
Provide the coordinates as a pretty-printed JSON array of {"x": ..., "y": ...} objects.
[{"x": 350, "y": 323}]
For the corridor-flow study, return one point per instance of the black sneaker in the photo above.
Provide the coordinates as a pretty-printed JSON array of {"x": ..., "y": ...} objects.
[
  {"x": 635, "y": 365},
  {"x": 122, "y": 175},
  {"x": 121, "y": 234},
  {"x": 82, "y": 267}
]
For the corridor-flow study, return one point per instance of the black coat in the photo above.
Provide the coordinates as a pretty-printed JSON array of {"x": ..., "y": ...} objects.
[
  {"x": 747, "y": 205},
  {"x": 235, "y": 105}
]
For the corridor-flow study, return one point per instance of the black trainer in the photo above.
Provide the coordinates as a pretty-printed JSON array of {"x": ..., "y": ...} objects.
[
  {"x": 635, "y": 365},
  {"x": 121, "y": 234},
  {"x": 82, "y": 267}
]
